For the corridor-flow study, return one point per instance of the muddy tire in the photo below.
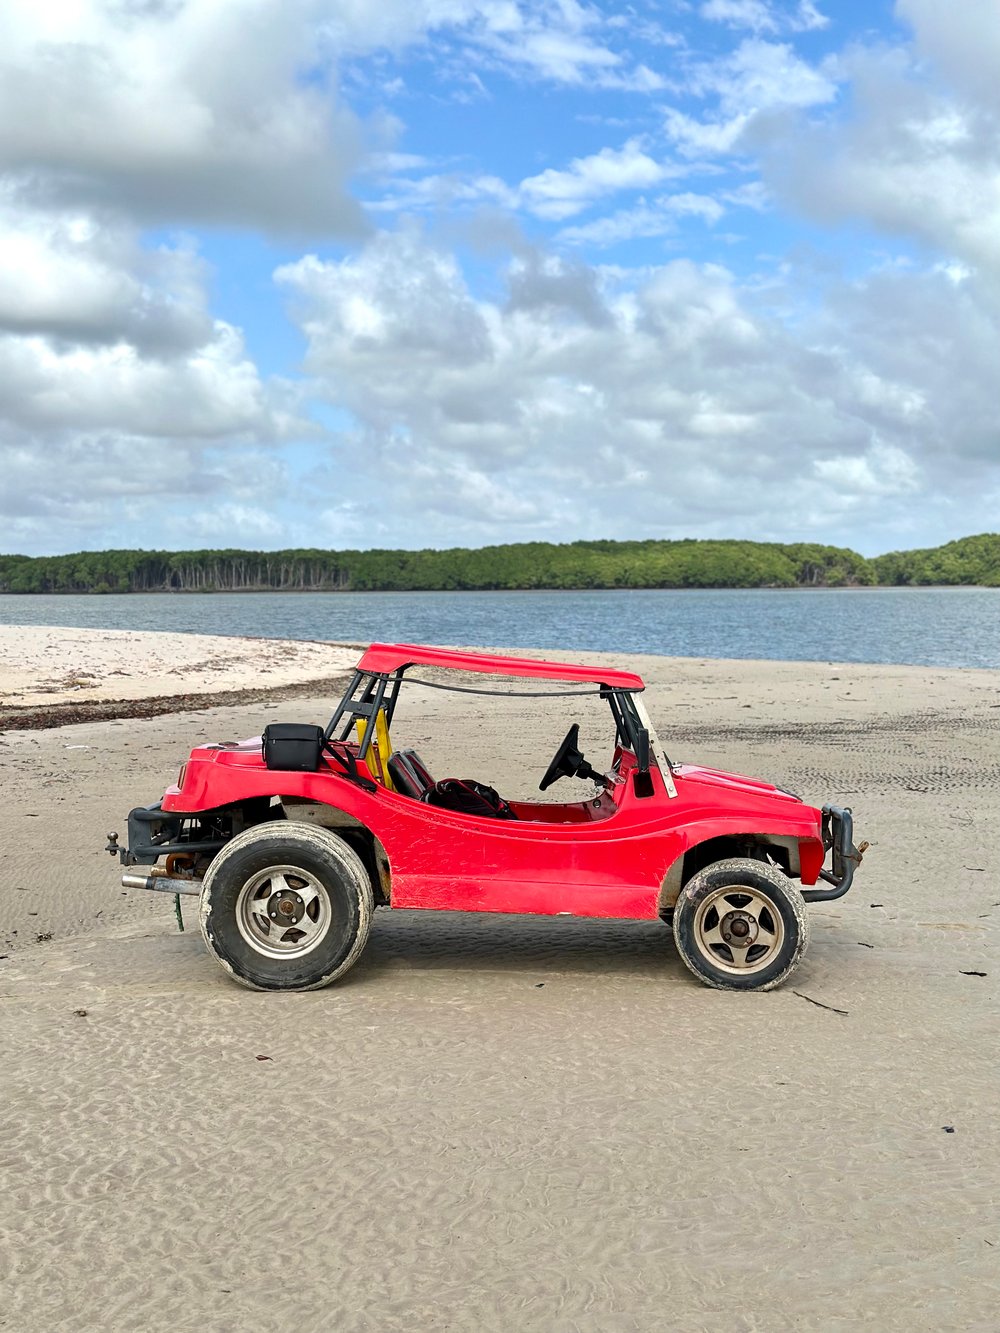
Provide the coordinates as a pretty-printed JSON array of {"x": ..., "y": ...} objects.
[
  {"x": 740, "y": 924},
  {"x": 286, "y": 907}
]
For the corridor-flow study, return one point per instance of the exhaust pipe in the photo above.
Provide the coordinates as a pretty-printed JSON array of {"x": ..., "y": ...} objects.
[{"x": 161, "y": 883}]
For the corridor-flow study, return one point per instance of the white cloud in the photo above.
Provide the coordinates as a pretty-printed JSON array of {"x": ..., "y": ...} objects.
[
  {"x": 231, "y": 525},
  {"x": 443, "y": 191},
  {"x": 953, "y": 271},
  {"x": 120, "y": 393},
  {"x": 67, "y": 276},
  {"x": 192, "y": 111},
  {"x": 764, "y": 16},
  {"x": 635, "y": 404},
  {"x": 915, "y": 160},
  {"x": 964, "y": 44},
  {"x": 659, "y": 218},
  {"x": 556, "y": 41},
  {"x": 70, "y": 489},
  {"x": 755, "y": 14},
  {"x": 761, "y": 76},
  {"x": 542, "y": 283},
  {"x": 200, "y": 113},
  {"x": 752, "y": 194},
  {"x": 557, "y": 194},
  {"x": 377, "y": 305},
  {"x": 694, "y": 137},
  {"x": 757, "y": 77},
  {"x": 553, "y": 194},
  {"x": 213, "y": 392},
  {"x": 884, "y": 471},
  {"x": 388, "y": 164}
]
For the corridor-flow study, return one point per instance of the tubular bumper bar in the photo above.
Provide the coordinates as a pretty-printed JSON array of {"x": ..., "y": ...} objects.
[
  {"x": 838, "y": 831},
  {"x": 154, "y": 832}
]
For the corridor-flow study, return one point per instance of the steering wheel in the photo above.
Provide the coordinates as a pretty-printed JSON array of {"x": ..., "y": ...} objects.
[{"x": 568, "y": 761}]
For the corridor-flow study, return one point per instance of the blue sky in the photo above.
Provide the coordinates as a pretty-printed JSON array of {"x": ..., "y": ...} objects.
[{"x": 469, "y": 271}]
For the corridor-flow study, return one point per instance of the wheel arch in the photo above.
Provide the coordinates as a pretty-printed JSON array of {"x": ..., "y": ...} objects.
[{"x": 780, "y": 849}]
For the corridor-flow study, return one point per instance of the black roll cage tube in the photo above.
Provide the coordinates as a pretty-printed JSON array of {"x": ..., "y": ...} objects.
[
  {"x": 367, "y": 706},
  {"x": 628, "y": 724}
]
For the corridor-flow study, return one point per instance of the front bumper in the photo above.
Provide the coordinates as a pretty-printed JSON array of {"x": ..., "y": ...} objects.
[{"x": 838, "y": 833}]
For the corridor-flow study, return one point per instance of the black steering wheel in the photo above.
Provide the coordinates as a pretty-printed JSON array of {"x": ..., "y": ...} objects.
[{"x": 568, "y": 761}]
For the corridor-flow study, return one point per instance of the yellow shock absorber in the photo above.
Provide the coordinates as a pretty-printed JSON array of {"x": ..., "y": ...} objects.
[{"x": 381, "y": 749}]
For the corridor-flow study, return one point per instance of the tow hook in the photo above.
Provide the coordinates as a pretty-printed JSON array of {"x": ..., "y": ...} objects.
[{"x": 112, "y": 847}]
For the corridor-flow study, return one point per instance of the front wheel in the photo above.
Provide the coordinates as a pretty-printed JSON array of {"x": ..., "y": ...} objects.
[
  {"x": 740, "y": 924},
  {"x": 286, "y": 907}
]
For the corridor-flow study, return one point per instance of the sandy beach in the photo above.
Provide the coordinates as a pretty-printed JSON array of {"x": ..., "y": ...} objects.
[
  {"x": 498, "y": 1123},
  {"x": 50, "y": 675}
]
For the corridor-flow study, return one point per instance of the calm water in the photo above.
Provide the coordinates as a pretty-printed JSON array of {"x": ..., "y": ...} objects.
[{"x": 923, "y": 626}]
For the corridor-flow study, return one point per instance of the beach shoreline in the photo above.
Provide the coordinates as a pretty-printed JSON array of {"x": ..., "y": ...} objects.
[
  {"x": 60, "y": 675},
  {"x": 53, "y": 676},
  {"x": 42, "y": 717}
]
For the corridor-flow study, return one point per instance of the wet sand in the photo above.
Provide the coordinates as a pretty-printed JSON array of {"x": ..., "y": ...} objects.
[{"x": 512, "y": 1123}]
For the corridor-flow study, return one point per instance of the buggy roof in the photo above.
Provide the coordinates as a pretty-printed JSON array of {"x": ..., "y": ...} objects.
[{"x": 387, "y": 657}]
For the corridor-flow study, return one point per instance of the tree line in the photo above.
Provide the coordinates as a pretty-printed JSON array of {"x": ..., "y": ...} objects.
[{"x": 525, "y": 565}]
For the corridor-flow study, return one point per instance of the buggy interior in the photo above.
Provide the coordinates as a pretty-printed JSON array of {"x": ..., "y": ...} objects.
[{"x": 364, "y": 716}]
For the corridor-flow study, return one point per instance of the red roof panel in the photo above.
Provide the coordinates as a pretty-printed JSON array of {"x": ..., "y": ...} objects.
[{"x": 386, "y": 657}]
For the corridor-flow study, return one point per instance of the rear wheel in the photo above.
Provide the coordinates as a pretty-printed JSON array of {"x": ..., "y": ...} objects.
[
  {"x": 286, "y": 907},
  {"x": 740, "y": 924}
]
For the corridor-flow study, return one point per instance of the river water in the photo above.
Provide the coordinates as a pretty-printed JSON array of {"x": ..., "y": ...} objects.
[{"x": 923, "y": 626}]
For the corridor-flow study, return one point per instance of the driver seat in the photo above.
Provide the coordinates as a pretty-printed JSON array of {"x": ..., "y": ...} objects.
[{"x": 409, "y": 774}]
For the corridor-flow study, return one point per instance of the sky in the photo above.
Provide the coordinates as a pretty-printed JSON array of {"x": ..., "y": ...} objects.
[{"x": 429, "y": 273}]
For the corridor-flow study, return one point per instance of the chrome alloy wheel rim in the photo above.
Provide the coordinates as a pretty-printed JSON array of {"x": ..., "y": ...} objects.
[
  {"x": 283, "y": 912},
  {"x": 738, "y": 930}
]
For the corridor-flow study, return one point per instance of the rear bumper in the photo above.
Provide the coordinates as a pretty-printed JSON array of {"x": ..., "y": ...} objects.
[
  {"x": 154, "y": 832},
  {"x": 838, "y": 834}
]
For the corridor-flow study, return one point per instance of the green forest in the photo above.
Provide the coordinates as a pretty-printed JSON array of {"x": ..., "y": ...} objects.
[{"x": 583, "y": 564}]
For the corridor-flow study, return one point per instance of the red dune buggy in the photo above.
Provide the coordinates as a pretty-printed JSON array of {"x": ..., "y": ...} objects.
[{"x": 291, "y": 842}]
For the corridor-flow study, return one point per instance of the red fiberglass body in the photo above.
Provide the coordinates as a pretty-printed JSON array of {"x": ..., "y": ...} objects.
[{"x": 619, "y": 853}]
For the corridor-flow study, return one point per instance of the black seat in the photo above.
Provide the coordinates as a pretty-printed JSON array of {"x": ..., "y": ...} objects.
[{"x": 409, "y": 773}]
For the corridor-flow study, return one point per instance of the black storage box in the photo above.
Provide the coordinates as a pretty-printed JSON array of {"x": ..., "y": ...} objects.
[{"x": 292, "y": 746}]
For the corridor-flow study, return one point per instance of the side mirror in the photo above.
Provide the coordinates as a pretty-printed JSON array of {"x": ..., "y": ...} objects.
[{"x": 642, "y": 750}]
